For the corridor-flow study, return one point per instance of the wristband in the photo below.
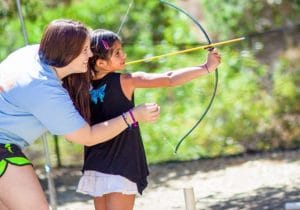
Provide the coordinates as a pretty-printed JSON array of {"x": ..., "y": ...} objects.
[
  {"x": 205, "y": 66},
  {"x": 125, "y": 120},
  {"x": 135, "y": 123}
]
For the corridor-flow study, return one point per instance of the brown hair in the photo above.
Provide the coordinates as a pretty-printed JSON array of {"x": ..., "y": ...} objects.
[
  {"x": 78, "y": 86},
  {"x": 62, "y": 41},
  {"x": 102, "y": 41}
]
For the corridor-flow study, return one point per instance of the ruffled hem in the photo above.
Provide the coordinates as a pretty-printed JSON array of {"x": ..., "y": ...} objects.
[{"x": 98, "y": 184}]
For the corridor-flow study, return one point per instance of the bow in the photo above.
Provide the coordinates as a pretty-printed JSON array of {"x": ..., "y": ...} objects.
[{"x": 216, "y": 74}]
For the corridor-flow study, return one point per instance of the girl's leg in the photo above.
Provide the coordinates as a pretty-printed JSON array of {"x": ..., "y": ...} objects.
[
  {"x": 20, "y": 189},
  {"x": 117, "y": 201},
  {"x": 99, "y": 203}
]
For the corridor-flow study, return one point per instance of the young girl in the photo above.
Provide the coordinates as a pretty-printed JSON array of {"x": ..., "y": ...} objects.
[{"x": 116, "y": 170}]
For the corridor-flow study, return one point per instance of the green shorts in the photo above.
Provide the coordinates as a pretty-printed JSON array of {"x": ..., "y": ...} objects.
[{"x": 10, "y": 153}]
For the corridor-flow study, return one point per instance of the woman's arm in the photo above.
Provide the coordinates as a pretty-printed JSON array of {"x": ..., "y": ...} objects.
[
  {"x": 176, "y": 77},
  {"x": 101, "y": 132}
]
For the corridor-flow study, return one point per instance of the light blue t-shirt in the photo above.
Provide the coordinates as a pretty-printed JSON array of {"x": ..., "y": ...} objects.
[{"x": 33, "y": 100}]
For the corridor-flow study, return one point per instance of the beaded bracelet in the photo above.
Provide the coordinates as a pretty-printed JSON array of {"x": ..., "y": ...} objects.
[
  {"x": 125, "y": 120},
  {"x": 135, "y": 123}
]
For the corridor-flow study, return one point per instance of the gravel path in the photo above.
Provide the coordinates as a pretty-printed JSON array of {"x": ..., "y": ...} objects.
[{"x": 260, "y": 182}]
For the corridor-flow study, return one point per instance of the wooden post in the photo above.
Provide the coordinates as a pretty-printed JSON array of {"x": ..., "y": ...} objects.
[
  {"x": 189, "y": 199},
  {"x": 57, "y": 151}
]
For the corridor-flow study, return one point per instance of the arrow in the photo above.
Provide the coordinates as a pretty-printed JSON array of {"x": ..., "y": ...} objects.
[{"x": 186, "y": 50}]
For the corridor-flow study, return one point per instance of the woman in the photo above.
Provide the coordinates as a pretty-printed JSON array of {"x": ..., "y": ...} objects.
[{"x": 33, "y": 101}]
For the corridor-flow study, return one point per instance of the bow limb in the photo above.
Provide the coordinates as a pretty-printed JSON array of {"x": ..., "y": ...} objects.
[{"x": 216, "y": 74}]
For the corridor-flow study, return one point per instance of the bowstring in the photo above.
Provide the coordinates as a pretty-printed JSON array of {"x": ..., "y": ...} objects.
[
  {"x": 125, "y": 17},
  {"x": 118, "y": 32}
]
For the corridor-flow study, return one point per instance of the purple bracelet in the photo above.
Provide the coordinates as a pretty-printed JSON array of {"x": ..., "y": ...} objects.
[
  {"x": 135, "y": 123},
  {"x": 205, "y": 65},
  {"x": 125, "y": 119}
]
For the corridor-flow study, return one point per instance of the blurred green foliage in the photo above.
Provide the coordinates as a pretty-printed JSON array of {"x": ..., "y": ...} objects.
[
  {"x": 245, "y": 17},
  {"x": 257, "y": 103}
]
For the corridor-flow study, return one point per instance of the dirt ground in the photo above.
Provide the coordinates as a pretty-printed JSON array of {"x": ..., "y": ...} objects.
[{"x": 261, "y": 181}]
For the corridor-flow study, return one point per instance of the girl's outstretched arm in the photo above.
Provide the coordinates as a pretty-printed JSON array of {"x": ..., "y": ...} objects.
[{"x": 172, "y": 78}]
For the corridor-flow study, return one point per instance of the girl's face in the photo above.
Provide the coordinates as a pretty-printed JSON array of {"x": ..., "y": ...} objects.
[
  {"x": 118, "y": 57},
  {"x": 80, "y": 63}
]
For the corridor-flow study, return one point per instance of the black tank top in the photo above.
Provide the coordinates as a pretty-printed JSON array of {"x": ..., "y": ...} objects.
[{"x": 124, "y": 154}]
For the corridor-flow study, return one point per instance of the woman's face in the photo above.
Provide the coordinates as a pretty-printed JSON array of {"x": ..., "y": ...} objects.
[{"x": 80, "y": 63}]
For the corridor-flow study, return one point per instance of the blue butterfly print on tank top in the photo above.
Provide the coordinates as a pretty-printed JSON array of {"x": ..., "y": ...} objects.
[{"x": 98, "y": 94}]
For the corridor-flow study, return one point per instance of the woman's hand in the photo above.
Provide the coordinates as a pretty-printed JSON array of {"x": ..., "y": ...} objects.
[
  {"x": 213, "y": 60},
  {"x": 148, "y": 112}
]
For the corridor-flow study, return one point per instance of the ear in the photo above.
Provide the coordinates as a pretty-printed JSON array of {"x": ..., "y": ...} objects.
[{"x": 101, "y": 63}]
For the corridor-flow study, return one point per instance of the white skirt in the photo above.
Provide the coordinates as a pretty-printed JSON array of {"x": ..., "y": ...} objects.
[{"x": 97, "y": 184}]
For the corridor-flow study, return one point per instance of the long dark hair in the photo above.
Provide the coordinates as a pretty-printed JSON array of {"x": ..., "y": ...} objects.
[
  {"x": 101, "y": 46},
  {"x": 61, "y": 43},
  {"x": 78, "y": 86}
]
